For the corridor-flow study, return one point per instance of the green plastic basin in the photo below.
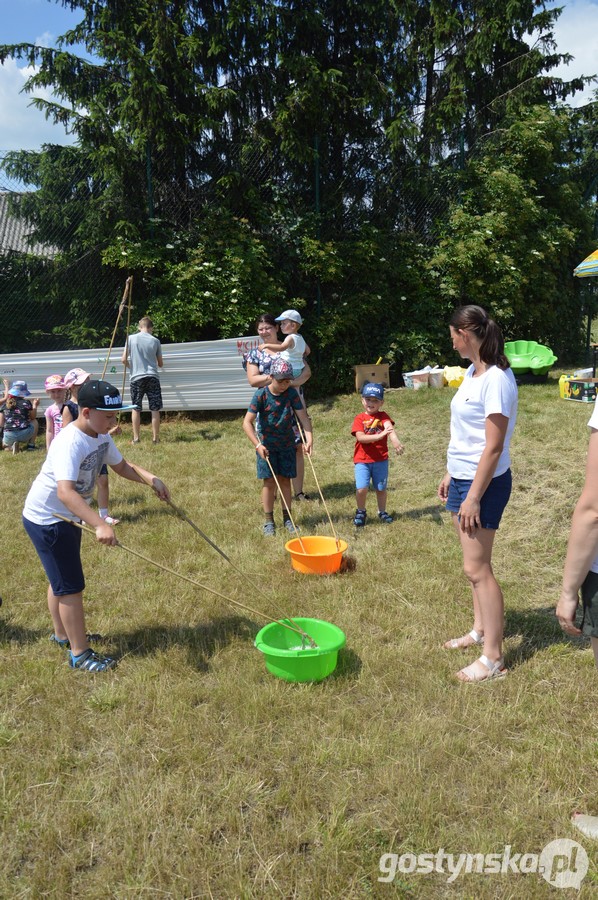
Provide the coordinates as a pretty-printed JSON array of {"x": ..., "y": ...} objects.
[
  {"x": 285, "y": 657},
  {"x": 529, "y": 356}
]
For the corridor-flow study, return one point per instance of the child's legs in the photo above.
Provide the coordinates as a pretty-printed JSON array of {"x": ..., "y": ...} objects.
[
  {"x": 103, "y": 490},
  {"x": 594, "y": 642},
  {"x": 155, "y": 424},
  {"x": 363, "y": 476},
  {"x": 59, "y": 549},
  {"x": 380, "y": 480},
  {"x": 268, "y": 494},
  {"x": 300, "y": 463},
  {"x": 136, "y": 423},
  {"x": 285, "y": 490},
  {"x": 69, "y": 619}
]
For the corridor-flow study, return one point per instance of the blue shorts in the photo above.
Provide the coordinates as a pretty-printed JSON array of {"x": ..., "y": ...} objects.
[
  {"x": 59, "y": 548},
  {"x": 18, "y": 436},
  {"x": 493, "y": 502},
  {"x": 376, "y": 472},
  {"x": 284, "y": 463}
]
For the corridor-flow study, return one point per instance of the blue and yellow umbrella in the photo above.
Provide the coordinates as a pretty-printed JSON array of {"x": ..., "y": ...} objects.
[{"x": 588, "y": 267}]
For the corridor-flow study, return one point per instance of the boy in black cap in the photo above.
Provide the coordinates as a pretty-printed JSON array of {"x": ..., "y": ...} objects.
[
  {"x": 371, "y": 430},
  {"x": 64, "y": 487}
]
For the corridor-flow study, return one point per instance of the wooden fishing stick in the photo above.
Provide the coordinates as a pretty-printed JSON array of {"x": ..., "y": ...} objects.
[
  {"x": 304, "y": 442},
  {"x": 196, "y": 528},
  {"x": 127, "y": 335},
  {"x": 255, "y": 612},
  {"x": 126, "y": 293},
  {"x": 286, "y": 505}
]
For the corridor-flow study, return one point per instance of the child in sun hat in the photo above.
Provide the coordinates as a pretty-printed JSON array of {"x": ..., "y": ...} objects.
[
  {"x": 277, "y": 404},
  {"x": 372, "y": 430},
  {"x": 64, "y": 487},
  {"x": 73, "y": 380},
  {"x": 20, "y": 418},
  {"x": 56, "y": 391},
  {"x": 293, "y": 348}
]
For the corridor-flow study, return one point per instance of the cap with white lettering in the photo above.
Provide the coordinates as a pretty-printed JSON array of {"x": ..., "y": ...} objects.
[{"x": 101, "y": 395}]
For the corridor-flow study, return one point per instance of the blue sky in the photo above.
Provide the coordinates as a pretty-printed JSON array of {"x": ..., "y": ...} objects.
[{"x": 41, "y": 21}]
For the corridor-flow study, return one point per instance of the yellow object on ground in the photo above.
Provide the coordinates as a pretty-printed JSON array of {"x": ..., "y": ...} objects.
[{"x": 453, "y": 375}]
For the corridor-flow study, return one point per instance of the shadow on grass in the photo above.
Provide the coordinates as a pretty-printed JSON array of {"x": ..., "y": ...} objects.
[
  {"x": 200, "y": 642},
  {"x": 202, "y": 434},
  {"x": 537, "y": 629},
  {"x": 10, "y": 632},
  {"x": 436, "y": 513},
  {"x": 335, "y": 491},
  {"x": 348, "y": 666}
]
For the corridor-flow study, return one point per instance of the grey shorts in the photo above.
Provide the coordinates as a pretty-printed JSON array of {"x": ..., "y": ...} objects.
[
  {"x": 148, "y": 386},
  {"x": 589, "y": 596}
]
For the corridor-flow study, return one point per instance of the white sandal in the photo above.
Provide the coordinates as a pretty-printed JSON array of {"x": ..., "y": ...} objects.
[
  {"x": 495, "y": 670},
  {"x": 458, "y": 643}
]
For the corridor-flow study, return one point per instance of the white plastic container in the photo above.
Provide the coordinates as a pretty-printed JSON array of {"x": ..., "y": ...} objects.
[{"x": 436, "y": 378}]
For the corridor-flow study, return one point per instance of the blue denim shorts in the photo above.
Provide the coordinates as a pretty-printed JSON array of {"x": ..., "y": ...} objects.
[
  {"x": 493, "y": 502},
  {"x": 18, "y": 436},
  {"x": 376, "y": 472},
  {"x": 59, "y": 549},
  {"x": 283, "y": 462}
]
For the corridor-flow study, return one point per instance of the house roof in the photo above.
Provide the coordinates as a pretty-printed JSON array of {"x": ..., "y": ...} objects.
[{"x": 14, "y": 234}]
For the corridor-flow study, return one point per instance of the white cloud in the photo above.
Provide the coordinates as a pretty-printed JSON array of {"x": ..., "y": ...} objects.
[
  {"x": 576, "y": 32},
  {"x": 23, "y": 127}
]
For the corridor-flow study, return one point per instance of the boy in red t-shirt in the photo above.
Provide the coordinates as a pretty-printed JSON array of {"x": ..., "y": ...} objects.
[{"x": 371, "y": 430}]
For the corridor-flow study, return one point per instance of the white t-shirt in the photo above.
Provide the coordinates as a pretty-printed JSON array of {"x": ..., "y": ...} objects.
[
  {"x": 294, "y": 355},
  {"x": 477, "y": 398},
  {"x": 73, "y": 456}
]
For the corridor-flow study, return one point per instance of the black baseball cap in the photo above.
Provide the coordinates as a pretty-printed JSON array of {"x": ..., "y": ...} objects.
[{"x": 101, "y": 395}]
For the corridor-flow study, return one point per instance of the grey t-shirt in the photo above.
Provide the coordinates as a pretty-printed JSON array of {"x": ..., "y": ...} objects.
[{"x": 144, "y": 350}]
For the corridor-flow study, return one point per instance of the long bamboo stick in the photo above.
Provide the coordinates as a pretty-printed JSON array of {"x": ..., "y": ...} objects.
[
  {"x": 304, "y": 442},
  {"x": 255, "y": 612},
  {"x": 126, "y": 293}
]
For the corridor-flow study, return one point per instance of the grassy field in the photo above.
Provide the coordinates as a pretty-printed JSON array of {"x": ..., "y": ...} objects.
[{"x": 190, "y": 771}]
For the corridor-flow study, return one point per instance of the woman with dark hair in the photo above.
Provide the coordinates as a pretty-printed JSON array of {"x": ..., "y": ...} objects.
[
  {"x": 477, "y": 486},
  {"x": 257, "y": 366}
]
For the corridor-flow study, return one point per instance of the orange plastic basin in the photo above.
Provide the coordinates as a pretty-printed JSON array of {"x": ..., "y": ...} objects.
[{"x": 319, "y": 555}]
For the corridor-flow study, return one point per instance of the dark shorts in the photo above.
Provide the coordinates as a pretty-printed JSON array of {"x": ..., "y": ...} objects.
[
  {"x": 494, "y": 499},
  {"x": 104, "y": 469},
  {"x": 148, "y": 386},
  {"x": 59, "y": 548},
  {"x": 589, "y": 596},
  {"x": 284, "y": 463}
]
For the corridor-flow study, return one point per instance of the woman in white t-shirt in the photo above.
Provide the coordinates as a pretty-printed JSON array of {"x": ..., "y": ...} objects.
[
  {"x": 477, "y": 485},
  {"x": 581, "y": 563}
]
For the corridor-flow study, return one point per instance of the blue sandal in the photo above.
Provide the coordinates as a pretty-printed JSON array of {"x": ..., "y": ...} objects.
[
  {"x": 89, "y": 661},
  {"x": 359, "y": 518}
]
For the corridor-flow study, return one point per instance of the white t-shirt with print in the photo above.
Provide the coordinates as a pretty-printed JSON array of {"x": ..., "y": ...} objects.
[
  {"x": 73, "y": 456},
  {"x": 495, "y": 391}
]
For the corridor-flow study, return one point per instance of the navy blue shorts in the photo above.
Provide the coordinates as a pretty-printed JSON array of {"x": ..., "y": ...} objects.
[
  {"x": 284, "y": 463},
  {"x": 493, "y": 502},
  {"x": 59, "y": 548}
]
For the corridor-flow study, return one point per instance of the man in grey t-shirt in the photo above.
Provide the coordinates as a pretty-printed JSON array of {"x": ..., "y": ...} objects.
[{"x": 143, "y": 354}]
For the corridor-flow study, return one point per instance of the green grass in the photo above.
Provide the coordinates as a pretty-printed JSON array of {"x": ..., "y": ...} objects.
[{"x": 192, "y": 772}]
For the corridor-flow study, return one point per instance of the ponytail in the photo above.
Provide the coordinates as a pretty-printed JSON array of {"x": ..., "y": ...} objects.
[{"x": 492, "y": 345}]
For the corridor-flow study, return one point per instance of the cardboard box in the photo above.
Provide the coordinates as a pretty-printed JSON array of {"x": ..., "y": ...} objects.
[
  {"x": 583, "y": 390},
  {"x": 364, "y": 374}
]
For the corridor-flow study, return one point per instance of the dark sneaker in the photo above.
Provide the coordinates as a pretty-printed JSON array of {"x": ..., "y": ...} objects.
[
  {"x": 359, "y": 518},
  {"x": 269, "y": 529},
  {"x": 302, "y": 496},
  {"x": 91, "y": 662},
  {"x": 384, "y": 517}
]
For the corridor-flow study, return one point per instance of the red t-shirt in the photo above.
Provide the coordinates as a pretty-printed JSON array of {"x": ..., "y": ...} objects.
[{"x": 377, "y": 450}]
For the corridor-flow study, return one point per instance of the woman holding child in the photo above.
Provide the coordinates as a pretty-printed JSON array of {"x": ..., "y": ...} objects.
[
  {"x": 477, "y": 486},
  {"x": 257, "y": 366}
]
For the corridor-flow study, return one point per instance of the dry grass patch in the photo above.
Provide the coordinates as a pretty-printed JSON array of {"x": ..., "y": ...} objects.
[{"x": 190, "y": 771}]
